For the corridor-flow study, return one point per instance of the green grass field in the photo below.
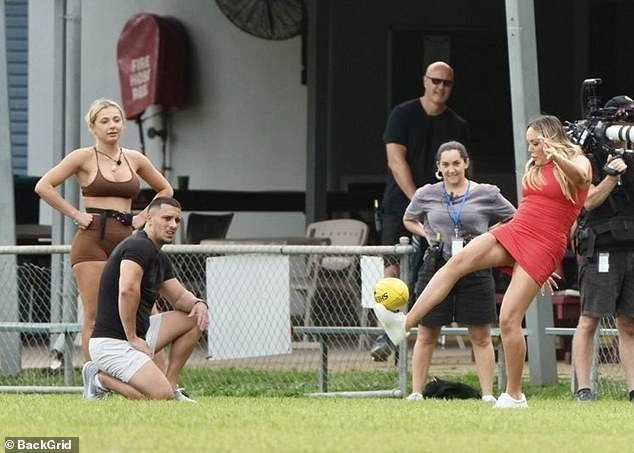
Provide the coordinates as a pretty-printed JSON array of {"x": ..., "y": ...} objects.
[{"x": 299, "y": 424}]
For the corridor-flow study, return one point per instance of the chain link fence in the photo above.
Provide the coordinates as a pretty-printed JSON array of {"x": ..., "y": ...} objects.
[
  {"x": 260, "y": 297},
  {"x": 608, "y": 376}
]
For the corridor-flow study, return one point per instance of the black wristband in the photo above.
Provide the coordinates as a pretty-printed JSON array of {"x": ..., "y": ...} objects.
[
  {"x": 611, "y": 171},
  {"x": 200, "y": 301}
]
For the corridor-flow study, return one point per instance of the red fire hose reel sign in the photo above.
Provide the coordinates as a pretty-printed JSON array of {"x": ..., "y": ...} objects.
[
  {"x": 139, "y": 78},
  {"x": 152, "y": 55}
]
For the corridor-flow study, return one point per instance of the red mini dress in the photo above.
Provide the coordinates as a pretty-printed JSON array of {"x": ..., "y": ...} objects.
[{"x": 537, "y": 236}]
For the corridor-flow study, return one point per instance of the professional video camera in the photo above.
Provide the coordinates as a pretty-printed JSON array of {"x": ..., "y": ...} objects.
[{"x": 595, "y": 132}]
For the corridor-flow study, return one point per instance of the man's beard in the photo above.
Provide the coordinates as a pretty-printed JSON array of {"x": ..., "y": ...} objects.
[{"x": 165, "y": 241}]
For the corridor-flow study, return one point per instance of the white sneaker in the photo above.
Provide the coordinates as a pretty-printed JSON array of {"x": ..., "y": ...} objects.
[
  {"x": 393, "y": 323},
  {"x": 506, "y": 401},
  {"x": 489, "y": 398},
  {"x": 414, "y": 396},
  {"x": 91, "y": 390},
  {"x": 180, "y": 395}
]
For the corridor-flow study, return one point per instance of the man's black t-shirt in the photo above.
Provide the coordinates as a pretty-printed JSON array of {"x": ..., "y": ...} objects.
[
  {"x": 157, "y": 268},
  {"x": 410, "y": 126},
  {"x": 613, "y": 219}
]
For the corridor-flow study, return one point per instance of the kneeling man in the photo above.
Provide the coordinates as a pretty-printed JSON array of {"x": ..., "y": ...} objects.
[{"x": 126, "y": 336}]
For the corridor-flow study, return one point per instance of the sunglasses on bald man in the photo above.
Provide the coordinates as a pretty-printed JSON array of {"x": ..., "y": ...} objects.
[{"x": 436, "y": 81}]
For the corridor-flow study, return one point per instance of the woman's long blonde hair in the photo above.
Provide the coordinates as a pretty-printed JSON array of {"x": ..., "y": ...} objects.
[{"x": 555, "y": 137}]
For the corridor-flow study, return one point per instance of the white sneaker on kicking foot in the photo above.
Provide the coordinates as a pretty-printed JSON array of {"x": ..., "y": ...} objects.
[
  {"x": 506, "y": 401},
  {"x": 415, "y": 396},
  {"x": 489, "y": 398},
  {"x": 393, "y": 323}
]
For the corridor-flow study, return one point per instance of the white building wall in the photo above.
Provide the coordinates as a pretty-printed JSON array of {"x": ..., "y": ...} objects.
[{"x": 245, "y": 126}]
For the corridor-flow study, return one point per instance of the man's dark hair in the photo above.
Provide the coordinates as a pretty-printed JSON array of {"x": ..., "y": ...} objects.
[{"x": 157, "y": 202}]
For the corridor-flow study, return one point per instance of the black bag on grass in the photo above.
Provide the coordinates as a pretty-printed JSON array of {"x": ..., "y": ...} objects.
[{"x": 439, "y": 388}]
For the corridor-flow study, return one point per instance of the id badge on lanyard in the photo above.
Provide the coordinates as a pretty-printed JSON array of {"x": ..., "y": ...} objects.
[
  {"x": 604, "y": 262},
  {"x": 457, "y": 242}
]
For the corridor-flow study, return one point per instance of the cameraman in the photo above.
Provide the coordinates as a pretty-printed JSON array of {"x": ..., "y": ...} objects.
[{"x": 605, "y": 248}]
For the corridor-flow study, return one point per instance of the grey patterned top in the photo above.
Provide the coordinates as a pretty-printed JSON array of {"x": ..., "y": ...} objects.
[{"x": 484, "y": 206}]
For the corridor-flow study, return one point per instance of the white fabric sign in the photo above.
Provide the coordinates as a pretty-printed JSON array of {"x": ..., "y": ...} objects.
[
  {"x": 371, "y": 272},
  {"x": 248, "y": 298}
]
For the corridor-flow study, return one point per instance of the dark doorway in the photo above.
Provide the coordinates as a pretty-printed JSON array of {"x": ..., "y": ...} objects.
[{"x": 482, "y": 97}]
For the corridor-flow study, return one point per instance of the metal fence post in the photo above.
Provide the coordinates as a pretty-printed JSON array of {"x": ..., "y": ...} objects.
[{"x": 403, "y": 364}]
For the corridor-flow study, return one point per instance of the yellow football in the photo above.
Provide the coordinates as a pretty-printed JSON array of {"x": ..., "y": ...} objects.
[{"x": 391, "y": 292}]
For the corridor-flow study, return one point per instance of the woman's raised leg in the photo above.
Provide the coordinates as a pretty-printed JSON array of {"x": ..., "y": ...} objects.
[{"x": 483, "y": 252}]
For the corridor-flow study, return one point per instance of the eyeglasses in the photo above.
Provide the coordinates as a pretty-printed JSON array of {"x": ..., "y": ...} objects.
[{"x": 445, "y": 82}]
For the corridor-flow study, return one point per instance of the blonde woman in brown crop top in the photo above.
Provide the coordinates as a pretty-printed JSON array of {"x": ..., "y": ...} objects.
[{"x": 108, "y": 176}]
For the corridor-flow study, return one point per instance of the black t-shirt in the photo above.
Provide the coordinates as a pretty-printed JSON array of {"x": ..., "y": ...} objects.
[
  {"x": 616, "y": 213},
  {"x": 410, "y": 126},
  {"x": 157, "y": 269}
]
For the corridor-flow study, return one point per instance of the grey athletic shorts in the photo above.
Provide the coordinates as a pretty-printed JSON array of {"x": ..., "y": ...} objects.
[{"x": 117, "y": 358}]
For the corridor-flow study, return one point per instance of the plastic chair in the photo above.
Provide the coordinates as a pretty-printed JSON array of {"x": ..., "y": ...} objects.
[
  {"x": 191, "y": 268},
  {"x": 206, "y": 226},
  {"x": 338, "y": 275}
]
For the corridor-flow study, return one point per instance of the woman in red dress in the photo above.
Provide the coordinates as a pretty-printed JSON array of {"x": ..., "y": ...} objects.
[{"x": 530, "y": 246}]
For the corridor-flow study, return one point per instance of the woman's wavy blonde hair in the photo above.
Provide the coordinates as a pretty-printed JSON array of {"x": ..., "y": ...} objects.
[{"x": 550, "y": 128}]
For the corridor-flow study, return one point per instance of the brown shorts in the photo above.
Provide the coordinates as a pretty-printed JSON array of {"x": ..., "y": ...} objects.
[{"x": 88, "y": 245}]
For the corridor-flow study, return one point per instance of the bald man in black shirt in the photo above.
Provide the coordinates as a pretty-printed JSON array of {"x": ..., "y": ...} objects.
[{"x": 414, "y": 131}]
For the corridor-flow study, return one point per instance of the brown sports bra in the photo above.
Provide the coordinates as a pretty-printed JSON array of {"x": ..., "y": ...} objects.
[{"x": 102, "y": 187}]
